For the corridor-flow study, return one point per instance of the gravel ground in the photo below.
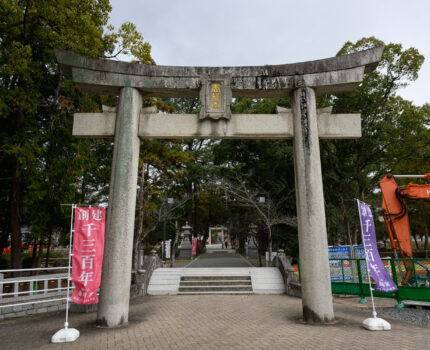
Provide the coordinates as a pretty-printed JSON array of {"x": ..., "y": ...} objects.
[{"x": 410, "y": 315}]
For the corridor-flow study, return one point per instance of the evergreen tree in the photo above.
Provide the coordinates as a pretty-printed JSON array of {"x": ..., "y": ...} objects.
[{"x": 42, "y": 165}]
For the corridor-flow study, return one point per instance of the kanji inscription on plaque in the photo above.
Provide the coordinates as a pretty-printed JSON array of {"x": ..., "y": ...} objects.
[{"x": 215, "y": 96}]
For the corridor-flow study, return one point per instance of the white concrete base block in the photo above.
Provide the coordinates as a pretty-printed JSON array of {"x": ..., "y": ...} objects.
[
  {"x": 65, "y": 335},
  {"x": 376, "y": 324}
]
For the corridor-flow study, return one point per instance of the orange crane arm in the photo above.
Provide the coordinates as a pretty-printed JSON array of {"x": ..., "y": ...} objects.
[
  {"x": 395, "y": 216},
  {"x": 413, "y": 191},
  {"x": 395, "y": 212}
]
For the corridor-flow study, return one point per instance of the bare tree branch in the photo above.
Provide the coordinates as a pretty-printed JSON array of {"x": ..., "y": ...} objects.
[{"x": 245, "y": 194}]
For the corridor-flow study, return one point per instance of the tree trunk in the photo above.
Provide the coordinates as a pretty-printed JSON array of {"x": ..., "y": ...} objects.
[
  {"x": 138, "y": 255},
  {"x": 83, "y": 187},
  {"x": 416, "y": 242},
  {"x": 39, "y": 256},
  {"x": 4, "y": 238},
  {"x": 258, "y": 245},
  {"x": 270, "y": 248},
  {"x": 259, "y": 258},
  {"x": 240, "y": 246},
  {"x": 175, "y": 243},
  {"x": 348, "y": 232},
  {"x": 138, "y": 231},
  {"x": 189, "y": 188},
  {"x": 15, "y": 222},
  {"x": 34, "y": 254},
  {"x": 355, "y": 236},
  {"x": 426, "y": 233},
  {"x": 426, "y": 243},
  {"x": 135, "y": 255},
  {"x": 48, "y": 248},
  {"x": 196, "y": 208}
]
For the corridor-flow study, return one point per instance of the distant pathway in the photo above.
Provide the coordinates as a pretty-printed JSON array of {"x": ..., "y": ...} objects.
[{"x": 219, "y": 259}]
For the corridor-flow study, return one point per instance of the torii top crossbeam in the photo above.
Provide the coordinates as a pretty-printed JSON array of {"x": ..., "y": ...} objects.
[
  {"x": 216, "y": 86},
  {"x": 330, "y": 75}
]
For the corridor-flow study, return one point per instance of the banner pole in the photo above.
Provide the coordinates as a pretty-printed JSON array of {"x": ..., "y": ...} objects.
[
  {"x": 368, "y": 278},
  {"x": 67, "y": 334},
  {"x": 367, "y": 265},
  {"x": 66, "y": 324},
  {"x": 374, "y": 323}
]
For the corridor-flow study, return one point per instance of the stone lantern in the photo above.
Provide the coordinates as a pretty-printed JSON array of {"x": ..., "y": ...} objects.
[{"x": 185, "y": 247}]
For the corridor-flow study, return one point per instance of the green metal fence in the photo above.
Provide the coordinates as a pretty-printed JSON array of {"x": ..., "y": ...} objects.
[{"x": 412, "y": 277}]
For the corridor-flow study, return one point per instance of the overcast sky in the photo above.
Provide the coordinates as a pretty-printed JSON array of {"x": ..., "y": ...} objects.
[{"x": 259, "y": 32}]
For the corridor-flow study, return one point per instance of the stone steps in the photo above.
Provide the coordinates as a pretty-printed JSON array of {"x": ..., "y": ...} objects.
[
  {"x": 228, "y": 289},
  {"x": 216, "y": 283},
  {"x": 219, "y": 284},
  {"x": 241, "y": 280},
  {"x": 212, "y": 278},
  {"x": 214, "y": 292}
]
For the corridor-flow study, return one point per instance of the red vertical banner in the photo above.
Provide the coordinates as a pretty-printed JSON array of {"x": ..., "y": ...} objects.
[
  {"x": 88, "y": 244},
  {"x": 194, "y": 246}
]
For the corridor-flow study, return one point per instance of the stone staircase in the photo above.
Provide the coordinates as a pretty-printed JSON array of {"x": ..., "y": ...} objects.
[
  {"x": 252, "y": 280},
  {"x": 215, "y": 285}
]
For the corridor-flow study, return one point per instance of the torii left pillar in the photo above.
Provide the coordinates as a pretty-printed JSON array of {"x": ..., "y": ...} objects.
[{"x": 115, "y": 286}]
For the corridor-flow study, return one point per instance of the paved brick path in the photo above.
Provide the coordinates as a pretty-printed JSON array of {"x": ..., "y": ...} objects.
[{"x": 216, "y": 322}]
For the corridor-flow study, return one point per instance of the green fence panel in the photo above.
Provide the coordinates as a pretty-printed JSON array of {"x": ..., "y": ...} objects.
[
  {"x": 418, "y": 291},
  {"x": 405, "y": 292}
]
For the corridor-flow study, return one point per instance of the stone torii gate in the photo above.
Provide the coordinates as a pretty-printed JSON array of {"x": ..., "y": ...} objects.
[{"x": 216, "y": 86}]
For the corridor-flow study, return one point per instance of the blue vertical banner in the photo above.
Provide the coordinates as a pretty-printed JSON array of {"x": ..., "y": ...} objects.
[{"x": 383, "y": 281}]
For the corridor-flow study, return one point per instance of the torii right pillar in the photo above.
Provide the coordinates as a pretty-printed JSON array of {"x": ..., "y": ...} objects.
[{"x": 315, "y": 276}]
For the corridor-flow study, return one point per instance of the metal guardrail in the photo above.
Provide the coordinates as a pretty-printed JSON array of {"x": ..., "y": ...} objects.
[{"x": 25, "y": 290}]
